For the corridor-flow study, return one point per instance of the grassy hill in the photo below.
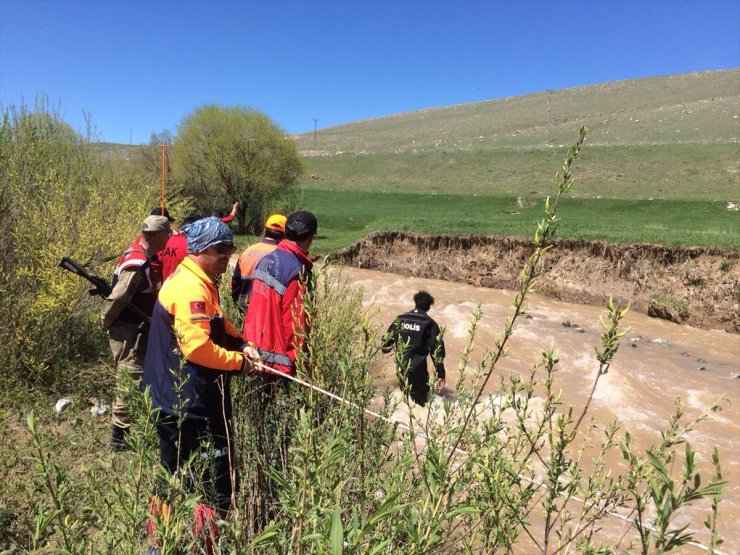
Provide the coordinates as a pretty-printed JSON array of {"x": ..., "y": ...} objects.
[
  {"x": 668, "y": 141},
  {"x": 695, "y": 108}
]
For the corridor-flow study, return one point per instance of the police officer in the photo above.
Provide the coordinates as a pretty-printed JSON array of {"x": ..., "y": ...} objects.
[{"x": 415, "y": 335}]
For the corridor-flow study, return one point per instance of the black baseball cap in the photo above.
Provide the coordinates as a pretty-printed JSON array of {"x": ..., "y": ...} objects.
[{"x": 300, "y": 225}]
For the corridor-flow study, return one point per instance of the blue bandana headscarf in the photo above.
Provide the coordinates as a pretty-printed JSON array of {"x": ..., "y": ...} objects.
[{"x": 205, "y": 233}]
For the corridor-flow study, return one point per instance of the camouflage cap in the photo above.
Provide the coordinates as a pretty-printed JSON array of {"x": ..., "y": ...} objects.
[{"x": 152, "y": 224}]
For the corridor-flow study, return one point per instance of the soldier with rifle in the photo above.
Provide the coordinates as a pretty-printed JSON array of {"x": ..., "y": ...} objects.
[{"x": 128, "y": 308}]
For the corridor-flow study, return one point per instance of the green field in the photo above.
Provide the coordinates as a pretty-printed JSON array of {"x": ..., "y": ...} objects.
[
  {"x": 685, "y": 172},
  {"x": 659, "y": 165},
  {"x": 346, "y": 216}
]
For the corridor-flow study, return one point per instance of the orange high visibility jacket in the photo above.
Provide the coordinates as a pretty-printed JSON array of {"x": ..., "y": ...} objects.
[
  {"x": 241, "y": 280},
  {"x": 188, "y": 323}
]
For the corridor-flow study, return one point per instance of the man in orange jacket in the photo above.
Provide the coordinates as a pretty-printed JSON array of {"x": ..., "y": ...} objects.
[
  {"x": 193, "y": 351},
  {"x": 241, "y": 279}
]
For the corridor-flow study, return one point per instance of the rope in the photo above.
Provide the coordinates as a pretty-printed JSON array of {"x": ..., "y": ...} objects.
[
  {"x": 348, "y": 403},
  {"x": 400, "y": 424},
  {"x": 164, "y": 172}
]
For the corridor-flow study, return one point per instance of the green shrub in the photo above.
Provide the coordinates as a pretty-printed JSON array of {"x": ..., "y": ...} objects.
[{"x": 60, "y": 195}]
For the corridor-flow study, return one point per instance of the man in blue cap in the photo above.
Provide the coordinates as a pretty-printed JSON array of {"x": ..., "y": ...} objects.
[{"x": 193, "y": 351}]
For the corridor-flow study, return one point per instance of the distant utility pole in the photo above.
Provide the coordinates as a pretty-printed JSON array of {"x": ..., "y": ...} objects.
[
  {"x": 315, "y": 121},
  {"x": 548, "y": 132},
  {"x": 130, "y": 134}
]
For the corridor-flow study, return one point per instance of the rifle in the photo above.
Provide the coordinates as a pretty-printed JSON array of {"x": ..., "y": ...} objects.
[{"x": 101, "y": 288}]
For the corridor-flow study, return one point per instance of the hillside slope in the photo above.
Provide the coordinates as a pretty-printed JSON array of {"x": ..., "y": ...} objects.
[
  {"x": 690, "y": 108},
  {"x": 672, "y": 137}
]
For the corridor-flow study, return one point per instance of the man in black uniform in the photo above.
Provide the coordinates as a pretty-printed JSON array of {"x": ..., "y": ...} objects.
[{"x": 415, "y": 336}]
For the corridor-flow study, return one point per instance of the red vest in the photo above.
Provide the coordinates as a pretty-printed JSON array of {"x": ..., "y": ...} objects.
[{"x": 134, "y": 257}]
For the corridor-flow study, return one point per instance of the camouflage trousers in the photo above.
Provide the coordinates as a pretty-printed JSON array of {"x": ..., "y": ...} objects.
[{"x": 128, "y": 357}]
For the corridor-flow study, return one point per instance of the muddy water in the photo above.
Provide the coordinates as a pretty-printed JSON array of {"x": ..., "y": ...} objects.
[{"x": 657, "y": 362}]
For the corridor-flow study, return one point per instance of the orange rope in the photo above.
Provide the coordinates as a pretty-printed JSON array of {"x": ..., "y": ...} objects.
[{"x": 164, "y": 159}]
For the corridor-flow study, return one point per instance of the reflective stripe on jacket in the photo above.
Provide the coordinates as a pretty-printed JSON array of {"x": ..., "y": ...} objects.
[
  {"x": 134, "y": 258},
  {"x": 275, "y": 322},
  {"x": 241, "y": 280},
  {"x": 188, "y": 323}
]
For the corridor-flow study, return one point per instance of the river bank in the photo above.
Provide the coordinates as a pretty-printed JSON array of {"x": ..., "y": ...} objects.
[{"x": 698, "y": 286}]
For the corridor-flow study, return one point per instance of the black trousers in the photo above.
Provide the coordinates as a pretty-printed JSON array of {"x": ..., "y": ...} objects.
[
  {"x": 418, "y": 383},
  {"x": 178, "y": 442}
]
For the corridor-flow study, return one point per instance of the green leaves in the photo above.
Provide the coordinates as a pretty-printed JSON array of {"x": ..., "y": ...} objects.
[
  {"x": 337, "y": 533},
  {"x": 612, "y": 333},
  {"x": 236, "y": 154},
  {"x": 667, "y": 496}
]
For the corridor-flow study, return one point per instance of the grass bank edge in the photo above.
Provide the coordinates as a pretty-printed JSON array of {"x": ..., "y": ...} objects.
[{"x": 347, "y": 216}]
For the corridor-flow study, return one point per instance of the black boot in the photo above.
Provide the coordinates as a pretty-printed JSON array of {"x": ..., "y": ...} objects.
[{"x": 119, "y": 439}]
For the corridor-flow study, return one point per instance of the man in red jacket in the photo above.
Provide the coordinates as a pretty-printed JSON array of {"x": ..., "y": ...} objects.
[
  {"x": 275, "y": 322},
  {"x": 177, "y": 247}
]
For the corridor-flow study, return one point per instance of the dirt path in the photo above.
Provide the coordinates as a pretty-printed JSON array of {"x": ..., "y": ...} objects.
[{"x": 695, "y": 286}]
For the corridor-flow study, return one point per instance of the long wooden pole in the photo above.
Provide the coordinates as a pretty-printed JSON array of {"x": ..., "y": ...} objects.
[{"x": 164, "y": 171}]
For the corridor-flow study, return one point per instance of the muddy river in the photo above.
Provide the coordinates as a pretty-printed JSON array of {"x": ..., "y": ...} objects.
[{"x": 657, "y": 362}]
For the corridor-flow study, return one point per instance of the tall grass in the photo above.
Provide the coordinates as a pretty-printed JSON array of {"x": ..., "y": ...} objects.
[{"x": 506, "y": 473}]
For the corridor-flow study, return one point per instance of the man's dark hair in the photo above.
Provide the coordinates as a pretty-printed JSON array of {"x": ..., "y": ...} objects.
[
  {"x": 159, "y": 211},
  {"x": 190, "y": 218},
  {"x": 274, "y": 234},
  {"x": 423, "y": 300},
  {"x": 217, "y": 214}
]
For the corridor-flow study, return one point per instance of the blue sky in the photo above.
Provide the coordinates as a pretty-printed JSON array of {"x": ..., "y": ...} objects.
[{"x": 137, "y": 67}]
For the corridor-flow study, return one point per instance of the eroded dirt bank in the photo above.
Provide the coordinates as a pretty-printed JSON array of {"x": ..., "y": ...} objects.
[{"x": 695, "y": 286}]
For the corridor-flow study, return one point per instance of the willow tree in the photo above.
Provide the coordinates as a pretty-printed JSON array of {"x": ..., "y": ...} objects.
[{"x": 229, "y": 154}]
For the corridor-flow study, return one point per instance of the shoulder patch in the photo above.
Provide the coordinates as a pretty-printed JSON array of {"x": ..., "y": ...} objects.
[{"x": 198, "y": 307}]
